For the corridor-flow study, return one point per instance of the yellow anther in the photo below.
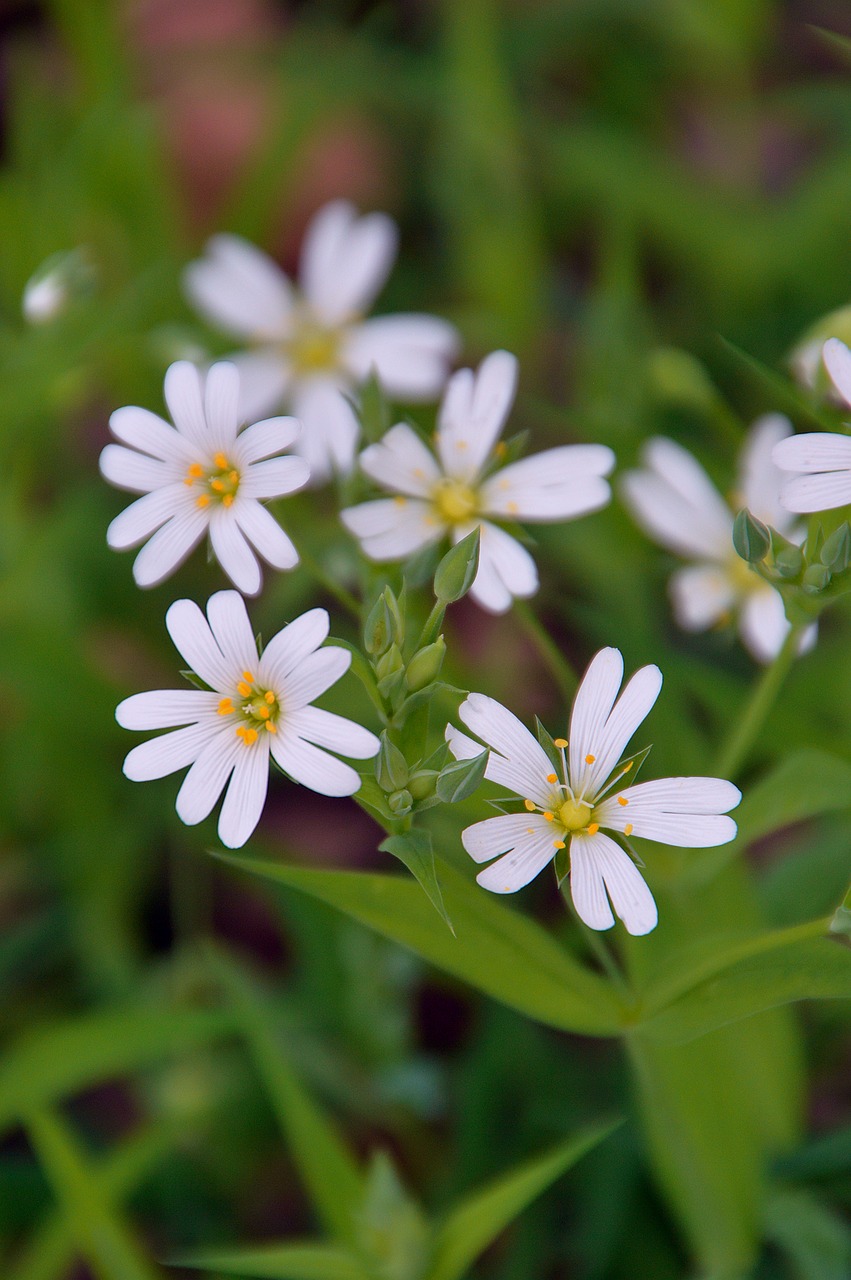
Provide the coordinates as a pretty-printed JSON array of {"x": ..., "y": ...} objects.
[
  {"x": 270, "y": 728},
  {"x": 623, "y": 801},
  {"x": 247, "y": 675},
  {"x": 550, "y": 817},
  {"x": 501, "y": 449},
  {"x": 203, "y": 500},
  {"x": 249, "y": 737},
  {"x": 558, "y": 844},
  {"x": 225, "y": 707},
  {"x": 269, "y": 696},
  {"x": 593, "y": 828},
  {"x": 530, "y": 805},
  {"x": 628, "y": 829},
  {"x": 530, "y": 831},
  {"x": 194, "y": 473},
  {"x": 628, "y": 766},
  {"x": 244, "y": 689},
  {"x": 221, "y": 461},
  {"x": 218, "y": 485},
  {"x": 561, "y": 743},
  {"x": 551, "y": 777},
  {"x": 227, "y": 500},
  {"x": 401, "y": 502},
  {"x": 461, "y": 444},
  {"x": 590, "y": 759},
  {"x": 263, "y": 713},
  {"x": 233, "y": 477},
  {"x": 512, "y": 508}
]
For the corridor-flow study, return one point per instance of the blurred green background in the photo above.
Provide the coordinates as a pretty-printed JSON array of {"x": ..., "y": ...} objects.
[{"x": 587, "y": 183}]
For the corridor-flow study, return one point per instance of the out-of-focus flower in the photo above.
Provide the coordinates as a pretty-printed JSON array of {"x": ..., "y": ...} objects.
[
  {"x": 202, "y": 475},
  {"x": 255, "y": 706},
  {"x": 311, "y": 346},
  {"x": 575, "y": 810},
  {"x": 822, "y": 459},
  {"x": 806, "y": 358},
  {"x": 57, "y": 282},
  {"x": 451, "y": 493},
  {"x": 675, "y": 502}
]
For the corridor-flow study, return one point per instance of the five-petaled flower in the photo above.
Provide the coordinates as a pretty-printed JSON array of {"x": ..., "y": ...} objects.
[
  {"x": 256, "y": 706},
  {"x": 309, "y": 347},
  {"x": 821, "y": 461},
  {"x": 672, "y": 498},
  {"x": 574, "y": 807},
  {"x": 460, "y": 488},
  {"x": 202, "y": 475}
]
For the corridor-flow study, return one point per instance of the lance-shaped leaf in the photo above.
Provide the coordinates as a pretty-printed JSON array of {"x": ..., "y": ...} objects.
[
  {"x": 414, "y": 849},
  {"x": 497, "y": 949},
  {"x": 479, "y": 1219},
  {"x": 460, "y": 778},
  {"x": 299, "y": 1260},
  {"x": 330, "y": 1174}
]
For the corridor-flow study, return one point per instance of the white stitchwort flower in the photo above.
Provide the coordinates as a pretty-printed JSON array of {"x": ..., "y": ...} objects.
[
  {"x": 449, "y": 495},
  {"x": 256, "y": 706},
  {"x": 675, "y": 502},
  {"x": 309, "y": 345},
  {"x": 201, "y": 476},
  {"x": 574, "y": 808},
  {"x": 822, "y": 459}
]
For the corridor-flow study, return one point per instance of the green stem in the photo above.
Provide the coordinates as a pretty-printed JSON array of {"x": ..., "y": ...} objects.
[
  {"x": 762, "y": 699},
  {"x": 340, "y": 594},
  {"x": 601, "y": 952},
  {"x": 558, "y": 666},
  {"x": 433, "y": 623}
]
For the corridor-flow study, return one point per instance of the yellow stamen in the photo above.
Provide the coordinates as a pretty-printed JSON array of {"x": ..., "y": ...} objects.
[
  {"x": 263, "y": 713},
  {"x": 590, "y": 759},
  {"x": 203, "y": 500},
  {"x": 244, "y": 689},
  {"x": 593, "y": 828},
  {"x": 551, "y": 777},
  {"x": 221, "y": 461},
  {"x": 227, "y": 500},
  {"x": 246, "y": 675},
  {"x": 454, "y": 501},
  {"x": 249, "y": 736},
  {"x": 558, "y": 844},
  {"x": 194, "y": 473},
  {"x": 501, "y": 449},
  {"x": 225, "y": 707},
  {"x": 623, "y": 801},
  {"x": 530, "y": 805},
  {"x": 628, "y": 766},
  {"x": 233, "y": 477},
  {"x": 218, "y": 485},
  {"x": 550, "y": 817},
  {"x": 269, "y": 696},
  {"x": 512, "y": 508},
  {"x": 561, "y": 743},
  {"x": 401, "y": 502},
  {"x": 270, "y": 728},
  {"x": 628, "y": 829}
]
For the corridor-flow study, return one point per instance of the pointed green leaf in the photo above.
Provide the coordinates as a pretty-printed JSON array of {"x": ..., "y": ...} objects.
[
  {"x": 816, "y": 1241},
  {"x": 414, "y": 849},
  {"x": 475, "y": 1223},
  {"x": 392, "y": 1228},
  {"x": 302, "y": 1260},
  {"x": 497, "y": 949},
  {"x": 460, "y": 778}
]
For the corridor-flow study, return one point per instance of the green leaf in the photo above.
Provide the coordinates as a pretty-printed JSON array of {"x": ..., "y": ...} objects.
[
  {"x": 816, "y": 1241},
  {"x": 103, "y": 1237},
  {"x": 475, "y": 1223},
  {"x": 330, "y": 1173},
  {"x": 66, "y": 1057},
  {"x": 806, "y": 783},
  {"x": 460, "y": 778},
  {"x": 414, "y": 849},
  {"x": 302, "y": 1260},
  {"x": 392, "y": 1229},
  {"x": 497, "y": 950}
]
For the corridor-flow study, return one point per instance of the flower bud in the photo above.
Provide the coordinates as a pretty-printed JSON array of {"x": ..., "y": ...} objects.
[
  {"x": 400, "y": 803},
  {"x": 789, "y": 562},
  {"x": 389, "y": 663},
  {"x": 377, "y": 630},
  {"x": 457, "y": 569},
  {"x": 425, "y": 665},
  {"x": 460, "y": 778},
  {"x": 751, "y": 537},
  {"x": 422, "y": 783},
  {"x": 836, "y": 552},
  {"x": 391, "y": 767},
  {"x": 816, "y": 578}
]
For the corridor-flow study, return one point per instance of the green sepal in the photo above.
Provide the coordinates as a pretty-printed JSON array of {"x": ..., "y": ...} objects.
[
  {"x": 458, "y": 568},
  {"x": 461, "y": 778}
]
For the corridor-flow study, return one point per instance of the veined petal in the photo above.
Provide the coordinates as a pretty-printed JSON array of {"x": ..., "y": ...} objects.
[
  {"x": 325, "y": 729},
  {"x": 316, "y": 673},
  {"x": 193, "y": 639},
  {"x": 312, "y": 767},
  {"x": 164, "y": 755},
  {"x": 687, "y": 812},
  {"x": 329, "y": 428},
  {"x": 221, "y": 405},
  {"x": 169, "y": 546},
  {"x": 592, "y": 707},
  {"x": 127, "y": 469},
  {"x": 820, "y": 492},
  {"x": 231, "y": 628},
  {"x": 500, "y": 729},
  {"x": 486, "y": 840},
  {"x": 145, "y": 431},
  {"x": 264, "y": 439},
  {"x": 265, "y": 534},
  {"x": 506, "y": 570},
  {"x": 760, "y": 477},
  {"x": 466, "y": 439},
  {"x": 345, "y": 260},
  {"x": 675, "y": 502},
  {"x": 291, "y": 645},
  {"x": 392, "y": 528},
  {"x": 409, "y": 353},
  {"x": 837, "y": 361},
  {"x": 633, "y": 705},
  {"x": 166, "y": 708},
  {"x": 142, "y": 517},
  {"x": 558, "y": 484},
  {"x": 514, "y": 776},
  {"x": 240, "y": 289},
  {"x": 183, "y": 396},
  {"x": 701, "y": 595},
  {"x": 763, "y": 625},
  {"x": 233, "y": 552},
  {"x": 516, "y": 869},
  {"x": 274, "y": 478},
  {"x": 264, "y": 377},
  {"x": 401, "y": 463},
  {"x": 816, "y": 452},
  {"x": 596, "y": 862},
  {"x": 246, "y": 794},
  {"x": 205, "y": 781}
]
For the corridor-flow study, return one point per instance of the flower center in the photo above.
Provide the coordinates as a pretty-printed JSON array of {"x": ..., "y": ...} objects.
[
  {"x": 454, "y": 501},
  {"x": 313, "y": 349},
  {"x": 574, "y": 815},
  {"x": 219, "y": 484},
  {"x": 257, "y": 709}
]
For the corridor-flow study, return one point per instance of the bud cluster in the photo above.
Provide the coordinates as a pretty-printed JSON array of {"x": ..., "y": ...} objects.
[{"x": 808, "y": 576}]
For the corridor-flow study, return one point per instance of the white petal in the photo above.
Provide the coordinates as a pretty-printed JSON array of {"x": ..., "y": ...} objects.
[
  {"x": 143, "y": 430},
  {"x": 183, "y": 396},
  {"x": 233, "y": 552},
  {"x": 194, "y": 640},
  {"x": 265, "y": 438},
  {"x": 701, "y": 595},
  {"x": 231, "y": 628},
  {"x": 392, "y": 528},
  {"x": 817, "y": 492},
  {"x": 818, "y": 451},
  {"x": 324, "y": 729},
  {"x": 221, "y": 405},
  {"x": 316, "y": 673},
  {"x": 486, "y": 840},
  {"x": 763, "y": 625},
  {"x": 401, "y": 463},
  {"x": 165, "y": 708},
  {"x": 607, "y": 746},
  {"x": 516, "y": 869},
  {"x": 265, "y": 534},
  {"x": 687, "y": 812},
  {"x": 592, "y": 857},
  {"x": 558, "y": 484},
  {"x": 169, "y": 546},
  {"x": 240, "y": 289},
  {"x": 760, "y": 478},
  {"x": 274, "y": 478},
  {"x": 168, "y": 753},
  {"x": 505, "y": 734},
  {"x": 313, "y": 768},
  {"x": 675, "y": 502},
  {"x": 205, "y": 781},
  {"x": 246, "y": 794},
  {"x": 127, "y": 469},
  {"x": 837, "y": 361},
  {"x": 592, "y": 707},
  {"x": 329, "y": 428},
  {"x": 499, "y": 770},
  {"x": 506, "y": 570},
  {"x": 345, "y": 260},
  {"x": 263, "y": 380},
  {"x": 473, "y": 414},
  {"x": 409, "y": 353},
  {"x": 141, "y": 518},
  {"x": 291, "y": 645}
]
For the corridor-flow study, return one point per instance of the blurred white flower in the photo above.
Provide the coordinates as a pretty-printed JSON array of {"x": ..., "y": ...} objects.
[
  {"x": 449, "y": 494},
  {"x": 574, "y": 810},
  {"x": 821, "y": 459},
  {"x": 202, "y": 475},
  {"x": 675, "y": 502},
  {"x": 59, "y": 279},
  {"x": 805, "y": 358},
  {"x": 310, "y": 347},
  {"x": 257, "y": 706}
]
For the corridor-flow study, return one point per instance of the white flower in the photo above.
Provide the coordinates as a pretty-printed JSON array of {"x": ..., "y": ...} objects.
[
  {"x": 574, "y": 810},
  {"x": 257, "y": 706},
  {"x": 310, "y": 346},
  {"x": 59, "y": 280},
  {"x": 449, "y": 494},
  {"x": 675, "y": 502},
  {"x": 821, "y": 459},
  {"x": 201, "y": 476}
]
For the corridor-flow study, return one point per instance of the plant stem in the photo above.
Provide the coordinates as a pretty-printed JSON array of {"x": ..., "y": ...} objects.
[
  {"x": 340, "y": 594},
  {"x": 558, "y": 666},
  {"x": 762, "y": 699}
]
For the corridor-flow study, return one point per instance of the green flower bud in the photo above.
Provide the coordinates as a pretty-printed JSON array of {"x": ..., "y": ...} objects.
[
  {"x": 789, "y": 562},
  {"x": 391, "y": 767},
  {"x": 460, "y": 778},
  {"x": 816, "y": 578},
  {"x": 377, "y": 631},
  {"x": 751, "y": 537},
  {"x": 422, "y": 783},
  {"x": 392, "y": 688},
  {"x": 836, "y": 552},
  {"x": 457, "y": 569},
  {"x": 400, "y": 803},
  {"x": 425, "y": 665},
  {"x": 389, "y": 663}
]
